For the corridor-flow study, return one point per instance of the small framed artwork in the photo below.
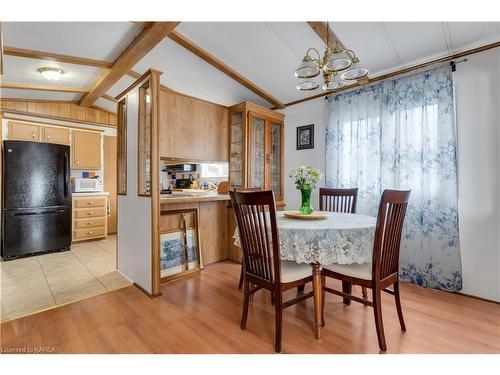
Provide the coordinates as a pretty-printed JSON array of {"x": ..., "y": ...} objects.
[{"x": 305, "y": 137}]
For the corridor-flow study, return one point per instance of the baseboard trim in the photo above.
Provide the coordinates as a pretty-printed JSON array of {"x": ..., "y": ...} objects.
[
  {"x": 476, "y": 297},
  {"x": 146, "y": 292}
]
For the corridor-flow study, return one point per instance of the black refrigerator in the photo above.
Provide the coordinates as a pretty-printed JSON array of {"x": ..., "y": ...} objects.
[{"x": 36, "y": 209}]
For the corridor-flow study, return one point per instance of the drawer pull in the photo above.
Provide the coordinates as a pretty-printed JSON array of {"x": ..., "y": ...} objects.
[
  {"x": 90, "y": 203},
  {"x": 90, "y": 223},
  {"x": 90, "y": 232},
  {"x": 33, "y": 135},
  {"x": 90, "y": 213}
]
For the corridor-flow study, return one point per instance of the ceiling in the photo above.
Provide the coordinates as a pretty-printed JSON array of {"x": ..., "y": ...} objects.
[{"x": 266, "y": 53}]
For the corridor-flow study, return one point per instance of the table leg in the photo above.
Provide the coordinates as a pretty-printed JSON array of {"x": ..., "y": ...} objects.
[{"x": 318, "y": 299}]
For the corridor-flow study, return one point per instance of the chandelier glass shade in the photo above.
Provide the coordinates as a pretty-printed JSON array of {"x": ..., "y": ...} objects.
[{"x": 339, "y": 66}]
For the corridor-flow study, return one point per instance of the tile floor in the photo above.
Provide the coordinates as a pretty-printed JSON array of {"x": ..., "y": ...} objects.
[{"x": 29, "y": 285}]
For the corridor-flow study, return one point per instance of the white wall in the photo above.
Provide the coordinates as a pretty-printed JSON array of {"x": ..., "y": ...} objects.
[
  {"x": 311, "y": 112},
  {"x": 477, "y": 84},
  {"x": 134, "y": 212}
]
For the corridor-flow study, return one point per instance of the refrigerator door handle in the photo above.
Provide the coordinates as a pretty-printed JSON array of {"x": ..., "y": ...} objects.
[
  {"x": 32, "y": 213},
  {"x": 66, "y": 175}
]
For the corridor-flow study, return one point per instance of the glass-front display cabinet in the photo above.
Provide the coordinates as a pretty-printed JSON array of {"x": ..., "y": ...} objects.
[{"x": 256, "y": 148}]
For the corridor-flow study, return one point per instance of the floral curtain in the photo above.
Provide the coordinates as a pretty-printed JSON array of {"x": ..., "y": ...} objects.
[{"x": 400, "y": 134}]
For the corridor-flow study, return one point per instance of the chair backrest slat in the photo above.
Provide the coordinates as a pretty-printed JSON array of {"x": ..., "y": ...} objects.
[
  {"x": 256, "y": 218},
  {"x": 388, "y": 231},
  {"x": 338, "y": 200}
]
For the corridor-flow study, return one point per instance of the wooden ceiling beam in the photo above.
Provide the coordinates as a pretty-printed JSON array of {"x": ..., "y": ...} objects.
[
  {"x": 109, "y": 97},
  {"x": 320, "y": 29},
  {"x": 41, "y": 55},
  {"x": 149, "y": 37},
  {"x": 29, "y": 86},
  {"x": 212, "y": 60}
]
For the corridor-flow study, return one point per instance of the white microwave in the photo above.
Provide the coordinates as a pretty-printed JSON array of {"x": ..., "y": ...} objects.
[{"x": 87, "y": 185}]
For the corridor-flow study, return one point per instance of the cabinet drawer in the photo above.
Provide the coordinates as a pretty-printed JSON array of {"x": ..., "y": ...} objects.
[
  {"x": 84, "y": 213},
  {"x": 90, "y": 223},
  {"x": 82, "y": 234},
  {"x": 89, "y": 202}
]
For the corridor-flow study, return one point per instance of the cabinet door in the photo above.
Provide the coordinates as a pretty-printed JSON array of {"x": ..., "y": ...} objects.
[
  {"x": 257, "y": 151},
  {"x": 275, "y": 165},
  {"x": 237, "y": 149},
  {"x": 55, "y": 135},
  {"x": 19, "y": 131},
  {"x": 86, "y": 150}
]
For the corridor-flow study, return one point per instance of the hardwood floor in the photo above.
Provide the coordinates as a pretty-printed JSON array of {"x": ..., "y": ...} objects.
[{"x": 201, "y": 314}]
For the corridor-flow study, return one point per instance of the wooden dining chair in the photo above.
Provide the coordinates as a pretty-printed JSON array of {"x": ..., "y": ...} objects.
[
  {"x": 384, "y": 269},
  {"x": 256, "y": 218},
  {"x": 242, "y": 272},
  {"x": 340, "y": 200}
]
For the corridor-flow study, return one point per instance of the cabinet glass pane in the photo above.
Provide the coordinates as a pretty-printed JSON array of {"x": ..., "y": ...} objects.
[
  {"x": 144, "y": 135},
  {"x": 236, "y": 149},
  {"x": 276, "y": 158},
  {"x": 121, "y": 132},
  {"x": 257, "y": 153}
]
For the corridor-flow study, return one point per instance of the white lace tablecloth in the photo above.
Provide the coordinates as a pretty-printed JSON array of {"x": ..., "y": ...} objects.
[{"x": 341, "y": 238}]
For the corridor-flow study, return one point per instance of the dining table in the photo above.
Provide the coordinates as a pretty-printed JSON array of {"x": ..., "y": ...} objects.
[{"x": 340, "y": 238}]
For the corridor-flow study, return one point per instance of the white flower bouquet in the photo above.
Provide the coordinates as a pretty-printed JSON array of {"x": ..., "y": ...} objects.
[{"x": 305, "y": 177}]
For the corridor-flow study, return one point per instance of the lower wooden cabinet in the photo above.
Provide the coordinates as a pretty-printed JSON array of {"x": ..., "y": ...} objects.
[
  {"x": 213, "y": 231},
  {"x": 90, "y": 217}
]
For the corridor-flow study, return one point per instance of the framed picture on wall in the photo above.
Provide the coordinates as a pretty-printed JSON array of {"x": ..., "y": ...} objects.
[{"x": 305, "y": 137}]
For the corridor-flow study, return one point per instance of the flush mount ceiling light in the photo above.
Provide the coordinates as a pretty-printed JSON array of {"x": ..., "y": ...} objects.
[
  {"x": 335, "y": 60},
  {"x": 51, "y": 74}
]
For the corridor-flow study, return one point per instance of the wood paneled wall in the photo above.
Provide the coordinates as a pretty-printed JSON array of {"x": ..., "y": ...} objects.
[
  {"x": 192, "y": 129},
  {"x": 60, "y": 110}
]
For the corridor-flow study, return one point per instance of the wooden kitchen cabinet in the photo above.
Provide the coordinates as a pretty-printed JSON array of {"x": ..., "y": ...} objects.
[
  {"x": 52, "y": 134},
  {"x": 213, "y": 231},
  {"x": 21, "y": 131},
  {"x": 90, "y": 217},
  {"x": 192, "y": 129},
  {"x": 256, "y": 148},
  {"x": 85, "y": 149}
]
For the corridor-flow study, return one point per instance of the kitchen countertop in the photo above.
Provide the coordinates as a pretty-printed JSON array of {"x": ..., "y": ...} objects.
[
  {"x": 184, "y": 197},
  {"x": 90, "y": 194}
]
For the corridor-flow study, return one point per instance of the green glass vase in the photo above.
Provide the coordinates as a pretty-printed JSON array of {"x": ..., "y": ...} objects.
[{"x": 306, "y": 206}]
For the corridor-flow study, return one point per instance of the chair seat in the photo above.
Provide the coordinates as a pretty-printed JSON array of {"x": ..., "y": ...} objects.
[
  {"x": 292, "y": 271},
  {"x": 359, "y": 271}
]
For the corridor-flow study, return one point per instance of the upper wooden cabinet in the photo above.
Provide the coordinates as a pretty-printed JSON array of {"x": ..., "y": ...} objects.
[
  {"x": 192, "y": 129},
  {"x": 55, "y": 135},
  {"x": 256, "y": 148},
  {"x": 20, "y": 131},
  {"x": 85, "y": 149}
]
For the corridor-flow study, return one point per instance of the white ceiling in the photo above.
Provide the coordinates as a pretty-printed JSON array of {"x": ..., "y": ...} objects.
[{"x": 266, "y": 53}]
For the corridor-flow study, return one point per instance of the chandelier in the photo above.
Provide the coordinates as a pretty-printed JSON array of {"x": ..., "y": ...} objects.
[{"x": 338, "y": 65}]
